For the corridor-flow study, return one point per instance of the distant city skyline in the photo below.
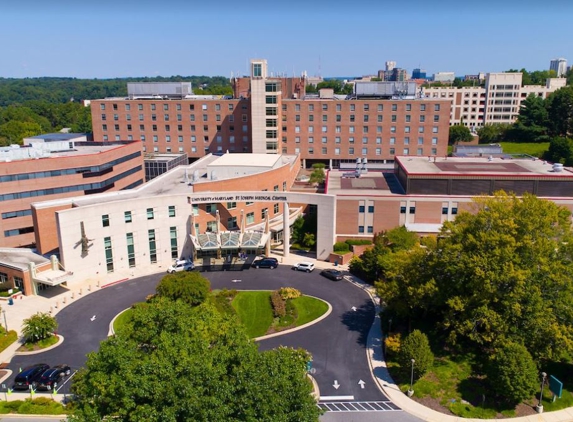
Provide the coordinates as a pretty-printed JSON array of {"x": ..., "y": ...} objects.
[{"x": 126, "y": 38}]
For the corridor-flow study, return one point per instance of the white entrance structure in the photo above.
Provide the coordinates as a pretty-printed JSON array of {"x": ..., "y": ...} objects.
[{"x": 326, "y": 212}]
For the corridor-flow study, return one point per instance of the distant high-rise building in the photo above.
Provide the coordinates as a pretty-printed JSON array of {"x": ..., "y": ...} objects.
[
  {"x": 390, "y": 65},
  {"x": 399, "y": 74},
  {"x": 559, "y": 66},
  {"x": 419, "y": 74}
]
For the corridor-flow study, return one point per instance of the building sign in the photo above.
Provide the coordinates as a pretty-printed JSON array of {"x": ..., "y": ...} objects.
[{"x": 237, "y": 198}]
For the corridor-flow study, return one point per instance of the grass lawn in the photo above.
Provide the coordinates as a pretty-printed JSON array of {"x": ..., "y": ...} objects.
[
  {"x": 533, "y": 149},
  {"x": 39, "y": 345},
  {"x": 255, "y": 311},
  {"x": 308, "y": 309},
  {"x": 121, "y": 320}
]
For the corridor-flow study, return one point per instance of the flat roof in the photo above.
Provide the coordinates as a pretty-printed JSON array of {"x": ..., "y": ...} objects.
[
  {"x": 162, "y": 156},
  {"x": 58, "y": 136},
  {"x": 247, "y": 160},
  {"x": 20, "y": 257},
  {"x": 480, "y": 166},
  {"x": 375, "y": 182}
]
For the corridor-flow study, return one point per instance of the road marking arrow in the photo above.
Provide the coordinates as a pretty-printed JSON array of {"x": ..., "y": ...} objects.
[
  {"x": 361, "y": 384},
  {"x": 354, "y": 308},
  {"x": 336, "y": 384},
  {"x": 92, "y": 319}
]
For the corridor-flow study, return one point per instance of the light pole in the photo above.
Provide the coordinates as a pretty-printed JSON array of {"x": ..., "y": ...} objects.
[
  {"x": 411, "y": 391},
  {"x": 539, "y": 407},
  {"x": 389, "y": 325},
  {"x": 5, "y": 323}
]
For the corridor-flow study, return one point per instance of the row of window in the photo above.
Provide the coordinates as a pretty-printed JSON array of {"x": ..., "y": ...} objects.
[
  {"x": 128, "y": 217},
  {"x": 15, "y": 214},
  {"x": 178, "y": 107},
  {"x": 17, "y": 232},
  {"x": 167, "y": 128},
  {"x": 365, "y": 129},
  {"x": 74, "y": 170},
  {"x": 178, "y": 117},
  {"x": 364, "y": 151},
  {"x": 87, "y": 187},
  {"x": 365, "y": 118},
  {"x": 365, "y": 107},
  {"x": 365, "y": 140}
]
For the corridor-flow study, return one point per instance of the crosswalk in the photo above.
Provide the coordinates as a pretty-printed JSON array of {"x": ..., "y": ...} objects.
[{"x": 358, "y": 406}]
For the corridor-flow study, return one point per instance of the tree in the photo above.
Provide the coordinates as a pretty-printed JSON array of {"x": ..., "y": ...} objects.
[
  {"x": 189, "y": 287},
  {"x": 416, "y": 346},
  {"x": 317, "y": 175},
  {"x": 179, "y": 363},
  {"x": 560, "y": 112},
  {"x": 459, "y": 133},
  {"x": 493, "y": 133},
  {"x": 38, "y": 327},
  {"x": 511, "y": 373},
  {"x": 560, "y": 151},
  {"x": 531, "y": 125}
]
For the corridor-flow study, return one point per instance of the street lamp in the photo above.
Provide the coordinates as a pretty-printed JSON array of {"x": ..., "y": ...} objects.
[
  {"x": 539, "y": 407},
  {"x": 411, "y": 391},
  {"x": 389, "y": 325},
  {"x": 5, "y": 323}
]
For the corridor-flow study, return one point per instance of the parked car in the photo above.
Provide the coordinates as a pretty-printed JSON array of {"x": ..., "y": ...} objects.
[
  {"x": 181, "y": 265},
  {"x": 271, "y": 263},
  {"x": 303, "y": 266},
  {"x": 51, "y": 377},
  {"x": 29, "y": 376},
  {"x": 332, "y": 274}
]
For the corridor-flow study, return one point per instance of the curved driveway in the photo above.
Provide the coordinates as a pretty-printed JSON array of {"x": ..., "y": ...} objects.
[{"x": 337, "y": 343}]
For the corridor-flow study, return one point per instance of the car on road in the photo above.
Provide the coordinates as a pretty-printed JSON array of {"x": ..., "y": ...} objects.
[
  {"x": 29, "y": 376},
  {"x": 332, "y": 274},
  {"x": 52, "y": 377},
  {"x": 304, "y": 266},
  {"x": 181, "y": 265},
  {"x": 271, "y": 263}
]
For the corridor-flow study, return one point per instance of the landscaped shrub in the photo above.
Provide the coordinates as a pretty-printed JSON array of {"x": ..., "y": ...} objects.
[
  {"x": 358, "y": 242},
  {"x": 289, "y": 293},
  {"x": 189, "y": 287},
  {"x": 392, "y": 344},
  {"x": 4, "y": 291},
  {"x": 41, "y": 406},
  {"x": 279, "y": 304},
  {"x": 416, "y": 346},
  {"x": 38, "y": 327},
  {"x": 341, "y": 247}
]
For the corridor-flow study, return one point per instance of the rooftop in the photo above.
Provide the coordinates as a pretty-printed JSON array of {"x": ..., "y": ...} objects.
[
  {"x": 20, "y": 257},
  {"x": 247, "y": 160},
  {"x": 481, "y": 166}
]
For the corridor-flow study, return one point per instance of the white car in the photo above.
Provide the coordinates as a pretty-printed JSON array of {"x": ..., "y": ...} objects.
[
  {"x": 181, "y": 265},
  {"x": 304, "y": 266}
]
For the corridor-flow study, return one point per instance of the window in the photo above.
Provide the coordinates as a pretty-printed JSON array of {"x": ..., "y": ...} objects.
[
  {"x": 366, "y": 107},
  {"x": 257, "y": 70},
  {"x": 422, "y": 118},
  {"x": 422, "y": 107},
  {"x": 436, "y": 118},
  {"x": 378, "y": 151},
  {"x": 231, "y": 205},
  {"x": 264, "y": 213},
  {"x": 408, "y": 118},
  {"x": 380, "y": 107},
  {"x": 231, "y": 222},
  {"x": 108, "y": 254},
  {"x": 250, "y": 218},
  {"x": 444, "y": 210},
  {"x": 284, "y": 186},
  {"x": 406, "y": 140},
  {"x": 150, "y": 215},
  {"x": 371, "y": 209},
  {"x": 211, "y": 208},
  {"x": 406, "y": 151},
  {"x": 350, "y": 151},
  {"x": 352, "y": 107},
  {"x": 130, "y": 249},
  {"x": 403, "y": 210},
  {"x": 276, "y": 208},
  {"x": 435, "y": 129},
  {"x": 102, "y": 106},
  {"x": 413, "y": 210},
  {"x": 392, "y": 151},
  {"x": 171, "y": 210},
  {"x": 152, "y": 246},
  {"x": 360, "y": 229},
  {"x": 364, "y": 151},
  {"x": 408, "y": 107},
  {"x": 212, "y": 226},
  {"x": 436, "y": 107},
  {"x": 361, "y": 208},
  {"x": 105, "y": 220},
  {"x": 407, "y": 129},
  {"x": 421, "y": 129},
  {"x": 394, "y": 107}
]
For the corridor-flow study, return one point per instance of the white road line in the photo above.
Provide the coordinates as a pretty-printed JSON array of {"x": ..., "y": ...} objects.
[{"x": 338, "y": 398}]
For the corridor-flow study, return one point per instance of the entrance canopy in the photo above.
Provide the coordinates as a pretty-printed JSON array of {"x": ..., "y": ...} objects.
[{"x": 229, "y": 240}]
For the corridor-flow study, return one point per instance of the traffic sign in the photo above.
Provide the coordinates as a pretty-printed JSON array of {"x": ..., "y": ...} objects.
[{"x": 555, "y": 386}]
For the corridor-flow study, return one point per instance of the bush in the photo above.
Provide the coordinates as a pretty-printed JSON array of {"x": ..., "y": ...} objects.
[
  {"x": 190, "y": 287},
  {"x": 341, "y": 247},
  {"x": 39, "y": 327},
  {"x": 279, "y": 304},
  {"x": 511, "y": 373},
  {"x": 392, "y": 344},
  {"x": 7, "y": 340},
  {"x": 289, "y": 293},
  {"x": 416, "y": 346},
  {"x": 357, "y": 242},
  {"x": 4, "y": 291}
]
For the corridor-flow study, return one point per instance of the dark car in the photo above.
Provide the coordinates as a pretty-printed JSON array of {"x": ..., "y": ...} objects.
[
  {"x": 271, "y": 263},
  {"x": 29, "y": 376},
  {"x": 332, "y": 274},
  {"x": 51, "y": 377}
]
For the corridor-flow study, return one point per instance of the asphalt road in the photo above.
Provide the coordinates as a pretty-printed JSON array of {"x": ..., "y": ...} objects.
[{"x": 337, "y": 343}]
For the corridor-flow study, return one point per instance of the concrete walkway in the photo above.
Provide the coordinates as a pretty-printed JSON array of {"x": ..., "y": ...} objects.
[{"x": 29, "y": 305}]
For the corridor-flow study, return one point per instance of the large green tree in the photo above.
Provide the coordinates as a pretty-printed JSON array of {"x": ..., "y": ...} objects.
[
  {"x": 179, "y": 363},
  {"x": 459, "y": 133},
  {"x": 190, "y": 287},
  {"x": 493, "y": 133},
  {"x": 560, "y": 151},
  {"x": 532, "y": 122},
  {"x": 560, "y": 112}
]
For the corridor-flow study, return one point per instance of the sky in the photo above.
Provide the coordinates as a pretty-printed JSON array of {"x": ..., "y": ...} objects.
[{"x": 133, "y": 38}]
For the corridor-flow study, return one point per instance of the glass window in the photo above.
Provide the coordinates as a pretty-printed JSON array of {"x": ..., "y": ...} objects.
[
  {"x": 105, "y": 220},
  {"x": 108, "y": 254},
  {"x": 171, "y": 210},
  {"x": 150, "y": 215}
]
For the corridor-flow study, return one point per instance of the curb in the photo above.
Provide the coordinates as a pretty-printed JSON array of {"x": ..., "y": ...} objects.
[
  {"x": 114, "y": 283},
  {"x": 36, "y": 352},
  {"x": 111, "y": 331}
]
